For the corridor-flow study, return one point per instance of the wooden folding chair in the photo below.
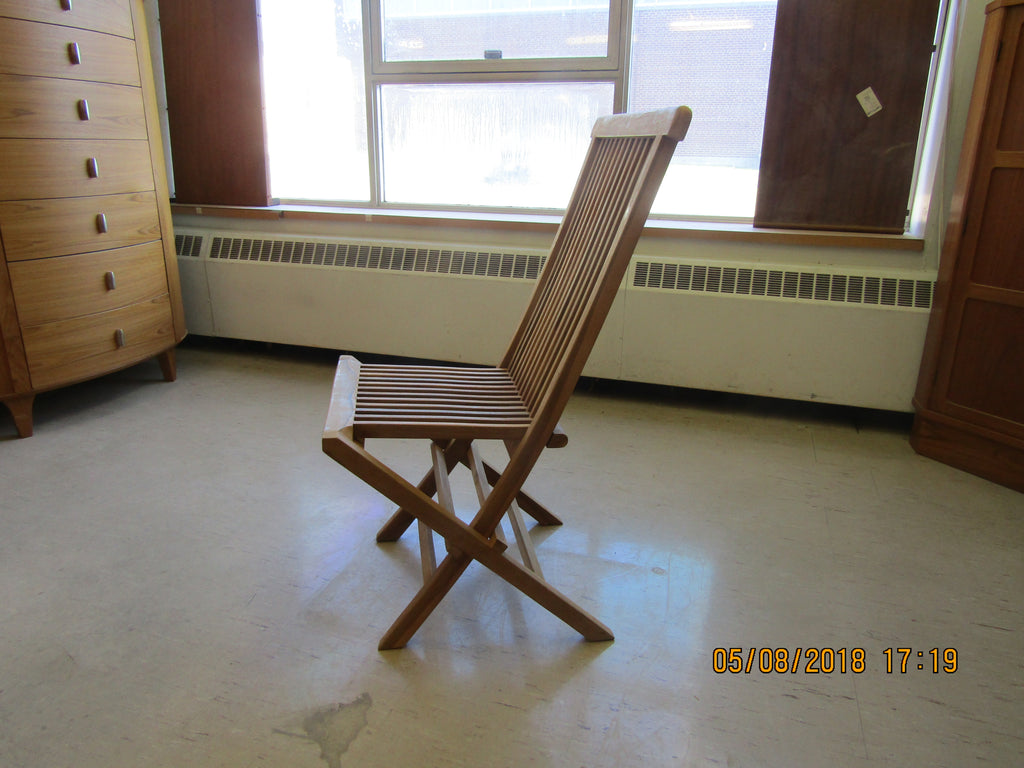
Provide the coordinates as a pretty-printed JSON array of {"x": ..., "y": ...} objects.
[{"x": 520, "y": 401}]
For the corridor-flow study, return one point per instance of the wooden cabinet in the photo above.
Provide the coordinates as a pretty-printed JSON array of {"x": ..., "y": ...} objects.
[
  {"x": 88, "y": 277},
  {"x": 970, "y": 395}
]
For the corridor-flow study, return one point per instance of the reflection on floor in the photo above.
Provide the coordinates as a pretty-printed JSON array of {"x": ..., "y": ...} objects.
[{"x": 186, "y": 580}]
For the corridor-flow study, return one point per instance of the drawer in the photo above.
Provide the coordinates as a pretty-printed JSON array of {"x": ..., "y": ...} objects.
[
  {"x": 47, "y": 108},
  {"x": 31, "y": 169},
  {"x": 83, "y": 347},
  {"x": 46, "y": 290},
  {"x": 38, "y": 229},
  {"x": 114, "y": 16},
  {"x": 30, "y": 48}
]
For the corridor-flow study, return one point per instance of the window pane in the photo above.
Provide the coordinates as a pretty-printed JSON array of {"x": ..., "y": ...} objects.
[
  {"x": 466, "y": 30},
  {"x": 713, "y": 56},
  {"x": 491, "y": 144},
  {"x": 315, "y": 99}
]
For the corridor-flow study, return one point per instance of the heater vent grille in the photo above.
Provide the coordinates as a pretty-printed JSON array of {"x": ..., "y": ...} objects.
[
  {"x": 188, "y": 245},
  {"x": 379, "y": 257},
  {"x": 897, "y": 292}
]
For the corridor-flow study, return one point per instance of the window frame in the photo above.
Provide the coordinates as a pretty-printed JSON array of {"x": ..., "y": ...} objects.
[
  {"x": 373, "y": 33},
  {"x": 613, "y": 68}
]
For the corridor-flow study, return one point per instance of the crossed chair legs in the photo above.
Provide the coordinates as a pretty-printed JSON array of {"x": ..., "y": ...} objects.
[{"x": 479, "y": 540}]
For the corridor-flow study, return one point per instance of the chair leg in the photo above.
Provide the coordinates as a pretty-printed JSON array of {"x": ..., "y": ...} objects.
[
  {"x": 400, "y": 521},
  {"x": 524, "y": 540},
  {"x": 528, "y": 579},
  {"x": 475, "y": 464},
  {"x": 529, "y": 505},
  {"x": 514, "y": 514},
  {"x": 464, "y": 544},
  {"x": 534, "y": 587},
  {"x": 449, "y": 571},
  {"x": 425, "y": 601},
  {"x": 455, "y": 452},
  {"x": 428, "y": 557}
]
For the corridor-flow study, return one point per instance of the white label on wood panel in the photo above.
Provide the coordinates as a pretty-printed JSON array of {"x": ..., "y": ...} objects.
[{"x": 869, "y": 102}]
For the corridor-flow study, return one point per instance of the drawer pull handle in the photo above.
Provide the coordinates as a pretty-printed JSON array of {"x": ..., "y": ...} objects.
[
  {"x": 65, "y": 4},
  {"x": 119, "y": 338},
  {"x": 92, "y": 167},
  {"x": 101, "y": 223},
  {"x": 83, "y": 109},
  {"x": 111, "y": 281},
  {"x": 74, "y": 53}
]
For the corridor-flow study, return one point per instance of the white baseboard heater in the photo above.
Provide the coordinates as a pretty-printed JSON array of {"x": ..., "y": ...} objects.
[{"x": 852, "y": 338}]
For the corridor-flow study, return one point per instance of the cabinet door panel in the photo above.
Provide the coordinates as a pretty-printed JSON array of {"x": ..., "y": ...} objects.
[
  {"x": 31, "y": 169},
  {"x": 1011, "y": 136},
  {"x": 36, "y": 229},
  {"x": 988, "y": 368},
  {"x": 47, "y": 290},
  {"x": 997, "y": 257},
  {"x": 45, "y": 108}
]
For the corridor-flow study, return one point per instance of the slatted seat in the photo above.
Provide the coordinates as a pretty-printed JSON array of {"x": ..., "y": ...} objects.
[
  {"x": 423, "y": 401},
  {"x": 519, "y": 401}
]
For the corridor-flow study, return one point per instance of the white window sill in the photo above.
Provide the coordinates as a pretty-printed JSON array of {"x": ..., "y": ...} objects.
[{"x": 659, "y": 228}]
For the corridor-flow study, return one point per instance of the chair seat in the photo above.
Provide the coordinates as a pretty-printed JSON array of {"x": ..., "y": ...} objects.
[
  {"x": 427, "y": 401},
  {"x": 439, "y": 402},
  {"x": 436, "y": 402}
]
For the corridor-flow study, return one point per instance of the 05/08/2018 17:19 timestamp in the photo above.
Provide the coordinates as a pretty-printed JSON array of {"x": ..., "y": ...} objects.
[{"x": 814, "y": 660}]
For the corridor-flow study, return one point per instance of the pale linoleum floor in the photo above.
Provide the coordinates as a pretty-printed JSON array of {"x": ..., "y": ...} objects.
[{"x": 186, "y": 580}]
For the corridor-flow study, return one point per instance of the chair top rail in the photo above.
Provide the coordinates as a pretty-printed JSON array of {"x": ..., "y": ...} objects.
[{"x": 672, "y": 122}]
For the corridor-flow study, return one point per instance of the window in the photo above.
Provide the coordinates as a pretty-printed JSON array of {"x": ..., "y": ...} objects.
[
  {"x": 315, "y": 100},
  {"x": 714, "y": 57},
  {"x": 490, "y": 102}
]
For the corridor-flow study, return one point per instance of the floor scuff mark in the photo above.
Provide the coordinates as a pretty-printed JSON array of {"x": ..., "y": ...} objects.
[{"x": 334, "y": 728}]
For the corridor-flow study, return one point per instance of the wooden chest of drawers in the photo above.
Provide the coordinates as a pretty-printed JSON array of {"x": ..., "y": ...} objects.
[{"x": 88, "y": 277}]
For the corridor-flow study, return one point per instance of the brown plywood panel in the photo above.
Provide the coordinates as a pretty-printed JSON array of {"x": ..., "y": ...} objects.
[
  {"x": 211, "y": 54},
  {"x": 828, "y": 160}
]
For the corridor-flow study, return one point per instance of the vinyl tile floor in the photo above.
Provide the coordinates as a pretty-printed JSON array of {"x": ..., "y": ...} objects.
[{"x": 186, "y": 580}]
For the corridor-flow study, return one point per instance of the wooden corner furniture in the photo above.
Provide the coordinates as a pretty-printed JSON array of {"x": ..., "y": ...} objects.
[
  {"x": 88, "y": 271},
  {"x": 970, "y": 393},
  {"x": 520, "y": 401}
]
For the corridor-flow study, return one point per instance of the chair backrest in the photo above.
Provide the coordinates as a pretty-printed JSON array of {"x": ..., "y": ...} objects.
[
  {"x": 624, "y": 166},
  {"x": 620, "y": 177}
]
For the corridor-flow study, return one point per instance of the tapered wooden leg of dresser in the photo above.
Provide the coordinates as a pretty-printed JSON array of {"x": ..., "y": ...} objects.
[
  {"x": 167, "y": 365},
  {"x": 21, "y": 411}
]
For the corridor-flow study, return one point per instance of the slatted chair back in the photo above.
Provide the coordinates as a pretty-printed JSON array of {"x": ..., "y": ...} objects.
[{"x": 624, "y": 167}]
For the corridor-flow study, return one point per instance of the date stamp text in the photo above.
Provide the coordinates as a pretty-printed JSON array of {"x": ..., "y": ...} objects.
[{"x": 819, "y": 660}]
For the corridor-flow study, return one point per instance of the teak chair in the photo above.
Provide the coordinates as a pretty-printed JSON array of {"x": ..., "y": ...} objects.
[{"x": 520, "y": 401}]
